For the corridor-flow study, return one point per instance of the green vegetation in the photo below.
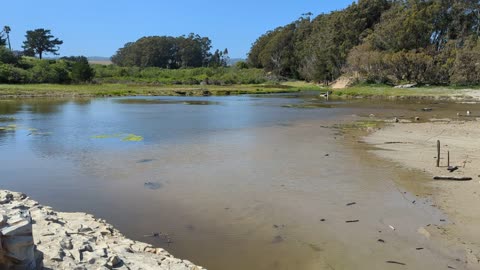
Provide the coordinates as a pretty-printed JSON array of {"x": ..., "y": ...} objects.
[
  {"x": 22, "y": 70},
  {"x": 379, "y": 41},
  {"x": 122, "y": 137},
  {"x": 190, "y": 76},
  {"x": 385, "y": 91},
  {"x": 376, "y": 42},
  {"x": 126, "y": 89},
  {"x": 132, "y": 138}
]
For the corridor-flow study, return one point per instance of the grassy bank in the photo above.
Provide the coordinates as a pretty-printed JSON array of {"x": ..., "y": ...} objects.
[
  {"x": 136, "y": 89},
  {"x": 94, "y": 90}
]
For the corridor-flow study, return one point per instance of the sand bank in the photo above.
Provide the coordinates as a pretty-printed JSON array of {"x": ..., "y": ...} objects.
[{"x": 413, "y": 145}]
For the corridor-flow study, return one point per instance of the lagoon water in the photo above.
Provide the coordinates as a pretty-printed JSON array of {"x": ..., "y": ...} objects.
[{"x": 240, "y": 182}]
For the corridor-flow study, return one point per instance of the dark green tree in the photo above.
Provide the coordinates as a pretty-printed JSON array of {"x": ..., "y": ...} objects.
[
  {"x": 165, "y": 52},
  {"x": 81, "y": 70},
  {"x": 40, "y": 41}
]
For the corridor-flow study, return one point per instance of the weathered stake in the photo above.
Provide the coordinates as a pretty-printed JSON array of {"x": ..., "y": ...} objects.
[
  {"x": 438, "y": 153},
  {"x": 448, "y": 158}
]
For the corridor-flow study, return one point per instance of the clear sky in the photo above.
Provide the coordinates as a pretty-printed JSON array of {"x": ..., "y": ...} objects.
[{"x": 100, "y": 27}]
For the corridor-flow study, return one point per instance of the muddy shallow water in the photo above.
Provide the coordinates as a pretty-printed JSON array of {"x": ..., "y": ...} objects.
[{"x": 236, "y": 182}]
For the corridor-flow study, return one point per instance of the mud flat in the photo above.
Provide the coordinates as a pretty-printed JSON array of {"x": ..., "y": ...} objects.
[
  {"x": 414, "y": 146},
  {"x": 78, "y": 240}
]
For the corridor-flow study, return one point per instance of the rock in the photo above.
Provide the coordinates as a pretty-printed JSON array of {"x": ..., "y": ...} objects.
[
  {"x": 85, "y": 229},
  {"x": 16, "y": 237},
  {"x": 101, "y": 252},
  {"x": 73, "y": 240},
  {"x": 113, "y": 261},
  {"x": 86, "y": 248},
  {"x": 6, "y": 198},
  {"x": 66, "y": 244},
  {"x": 3, "y": 220},
  {"x": 58, "y": 255}
]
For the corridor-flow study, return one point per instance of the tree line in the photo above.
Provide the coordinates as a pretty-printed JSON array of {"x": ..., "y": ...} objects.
[
  {"x": 378, "y": 41},
  {"x": 23, "y": 67},
  {"x": 170, "y": 52}
]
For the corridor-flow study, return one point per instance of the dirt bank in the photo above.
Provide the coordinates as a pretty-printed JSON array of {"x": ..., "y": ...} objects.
[
  {"x": 81, "y": 241},
  {"x": 413, "y": 145}
]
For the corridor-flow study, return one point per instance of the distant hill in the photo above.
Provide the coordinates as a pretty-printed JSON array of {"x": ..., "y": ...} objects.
[
  {"x": 99, "y": 60},
  {"x": 233, "y": 61},
  {"x": 106, "y": 60}
]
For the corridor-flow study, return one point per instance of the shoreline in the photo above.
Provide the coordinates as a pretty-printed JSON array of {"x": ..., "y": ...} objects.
[
  {"x": 78, "y": 240},
  {"x": 374, "y": 92},
  {"x": 413, "y": 147}
]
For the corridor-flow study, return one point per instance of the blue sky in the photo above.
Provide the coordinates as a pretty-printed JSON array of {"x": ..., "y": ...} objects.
[{"x": 100, "y": 27}]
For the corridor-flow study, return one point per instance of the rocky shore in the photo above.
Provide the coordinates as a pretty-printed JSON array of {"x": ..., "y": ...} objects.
[{"x": 70, "y": 241}]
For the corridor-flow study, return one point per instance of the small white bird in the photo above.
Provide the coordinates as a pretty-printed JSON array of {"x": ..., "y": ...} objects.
[{"x": 468, "y": 113}]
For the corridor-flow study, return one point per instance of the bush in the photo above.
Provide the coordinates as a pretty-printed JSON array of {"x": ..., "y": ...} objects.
[
  {"x": 12, "y": 74},
  {"x": 81, "y": 71},
  {"x": 466, "y": 70},
  {"x": 7, "y": 57}
]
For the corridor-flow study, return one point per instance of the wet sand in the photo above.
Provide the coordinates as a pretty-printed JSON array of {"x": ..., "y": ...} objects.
[{"x": 413, "y": 146}]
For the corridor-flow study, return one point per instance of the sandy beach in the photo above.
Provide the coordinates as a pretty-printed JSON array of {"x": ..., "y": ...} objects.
[{"x": 414, "y": 146}]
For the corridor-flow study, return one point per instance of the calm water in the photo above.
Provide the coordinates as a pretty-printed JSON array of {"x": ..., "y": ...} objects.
[{"x": 237, "y": 182}]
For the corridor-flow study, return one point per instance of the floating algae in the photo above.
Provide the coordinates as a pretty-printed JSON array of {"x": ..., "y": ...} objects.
[
  {"x": 8, "y": 128},
  {"x": 32, "y": 131},
  {"x": 121, "y": 136},
  {"x": 166, "y": 101},
  {"x": 106, "y": 136},
  {"x": 132, "y": 138}
]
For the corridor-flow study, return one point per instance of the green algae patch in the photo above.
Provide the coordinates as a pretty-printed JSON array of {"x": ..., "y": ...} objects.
[
  {"x": 132, "y": 138},
  {"x": 123, "y": 137},
  {"x": 106, "y": 136},
  {"x": 362, "y": 124},
  {"x": 8, "y": 128},
  {"x": 167, "y": 102}
]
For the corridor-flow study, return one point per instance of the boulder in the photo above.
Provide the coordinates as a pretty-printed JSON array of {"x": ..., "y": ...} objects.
[{"x": 16, "y": 245}]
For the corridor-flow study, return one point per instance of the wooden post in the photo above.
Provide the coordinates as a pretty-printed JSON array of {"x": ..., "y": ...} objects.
[
  {"x": 438, "y": 153},
  {"x": 448, "y": 158}
]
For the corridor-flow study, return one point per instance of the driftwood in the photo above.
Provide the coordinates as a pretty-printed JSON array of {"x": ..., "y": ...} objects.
[
  {"x": 352, "y": 221},
  {"x": 452, "y": 169},
  {"x": 453, "y": 178},
  {"x": 438, "y": 153}
]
